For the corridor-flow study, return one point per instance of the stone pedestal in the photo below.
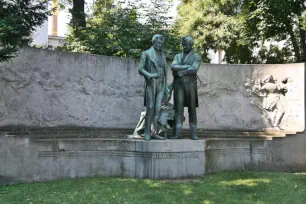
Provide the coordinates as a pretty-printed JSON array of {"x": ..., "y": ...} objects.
[
  {"x": 170, "y": 159},
  {"x": 65, "y": 154},
  {"x": 29, "y": 159}
]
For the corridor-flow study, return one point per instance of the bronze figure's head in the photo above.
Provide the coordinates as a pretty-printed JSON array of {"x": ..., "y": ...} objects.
[
  {"x": 158, "y": 42},
  {"x": 187, "y": 43}
]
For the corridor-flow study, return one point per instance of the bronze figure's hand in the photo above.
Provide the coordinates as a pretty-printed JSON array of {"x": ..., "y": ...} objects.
[
  {"x": 184, "y": 67},
  {"x": 154, "y": 75},
  {"x": 190, "y": 68},
  {"x": 182, "y": 73}
]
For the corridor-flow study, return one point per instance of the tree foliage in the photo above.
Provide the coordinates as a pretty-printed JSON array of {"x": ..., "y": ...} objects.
[
  {"x": 18, "y": 19},
  {"x": 124, "y": 30},
  {"x": 214, "y": 24},
  {"x": 276, "y": 21},
  {"x": 250, "y": 31}
]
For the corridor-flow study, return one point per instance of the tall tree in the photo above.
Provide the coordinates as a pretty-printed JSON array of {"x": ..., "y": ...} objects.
[
  {"x": 18, "y": 19},
  {"x": 274, "y": 20},
  {"x": 78, "y": 14},
  {"x": 78, "y": 20},
  {"x": 121, "y": 30},
  {"x": 250, "y": 31},
  {"x": 215, "y": 25}
]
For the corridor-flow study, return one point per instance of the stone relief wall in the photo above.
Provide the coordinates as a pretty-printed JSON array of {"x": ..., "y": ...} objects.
[
  {"x": 269, "y": 96},
  {"x": 46, "y": 88},
  {"x": 230, "y": 99},
  {"x": 50, "y": 88}
]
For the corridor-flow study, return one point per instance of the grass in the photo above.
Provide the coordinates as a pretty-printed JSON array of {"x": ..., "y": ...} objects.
[{"x": 225, "y": 187}]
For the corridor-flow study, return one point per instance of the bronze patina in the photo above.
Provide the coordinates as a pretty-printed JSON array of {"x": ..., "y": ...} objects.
[
  {"x": 153, "y": 67},
  {"x": 185, "y": 67}
]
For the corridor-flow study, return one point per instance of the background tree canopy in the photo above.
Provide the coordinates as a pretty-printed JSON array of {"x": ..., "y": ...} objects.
[
  {"x": 18, "y": 19},
  {"x": 214, "y": 24},
  {"x": 124, "y": 30},
  {"x": 249, "y": 31}
]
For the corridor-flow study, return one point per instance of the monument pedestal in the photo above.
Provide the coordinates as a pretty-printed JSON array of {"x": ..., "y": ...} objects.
[
  {"x": 156, "y": 159},
  {"x": 41, "y": 155},
  {"x": 170, "y": 159}
]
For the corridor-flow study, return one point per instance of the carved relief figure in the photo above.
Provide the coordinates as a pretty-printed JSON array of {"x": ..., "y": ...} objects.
[
  {"x": 153, "y": 67},
  {"x": 273, "y": 96},
  {"x": 185, "y": 67}
]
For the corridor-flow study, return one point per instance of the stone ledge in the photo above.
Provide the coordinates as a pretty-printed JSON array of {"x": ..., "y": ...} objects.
[
  {"x": 29, "y": 159},
  {"x": 111, "y": 133}
]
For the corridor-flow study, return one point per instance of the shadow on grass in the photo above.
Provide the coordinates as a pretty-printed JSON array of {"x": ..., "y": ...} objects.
[
  {"x": 239, "y": 187},
  {"x": 226, "y": 187}
]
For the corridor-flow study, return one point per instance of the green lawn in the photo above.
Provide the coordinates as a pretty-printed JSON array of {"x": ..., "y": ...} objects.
[{"x": 226, "y": 187}]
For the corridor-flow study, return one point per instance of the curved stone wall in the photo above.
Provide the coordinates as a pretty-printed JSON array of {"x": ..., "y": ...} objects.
[
  {"x": 44, "y": 88},
  {"x": 50, "y": 88},
  {"x": 242, "y": 97}
]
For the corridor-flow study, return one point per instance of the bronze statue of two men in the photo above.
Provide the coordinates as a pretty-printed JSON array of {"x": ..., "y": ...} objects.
[{"x": 153, "y": 67}]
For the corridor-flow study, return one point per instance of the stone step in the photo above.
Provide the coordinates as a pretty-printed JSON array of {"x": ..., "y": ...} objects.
[
  {"x": 124, "y": 130},
  {"x": 121, "y": 136},
  {"x": 121, "y": 133}
]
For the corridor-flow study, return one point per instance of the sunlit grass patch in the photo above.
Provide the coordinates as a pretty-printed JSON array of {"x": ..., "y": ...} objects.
[
  {"x": 301, "y": 173},
  {"x": 153, "y": 184},
  {"x": 245, "y": 182},
  {"x": 226, "y": 187}
]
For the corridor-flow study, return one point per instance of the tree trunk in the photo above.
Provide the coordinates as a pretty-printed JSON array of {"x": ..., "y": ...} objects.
[
  {"x": 301, "y": 9},
  {"x": 294, "y": 43},
  {"x": 78, "y": 20},
  {"x": 303, "y": 44}
]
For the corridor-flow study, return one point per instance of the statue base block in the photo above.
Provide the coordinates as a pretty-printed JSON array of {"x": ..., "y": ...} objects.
[
  {"x": 170, "y": 159},
  {"x": 37, "y": 156}
]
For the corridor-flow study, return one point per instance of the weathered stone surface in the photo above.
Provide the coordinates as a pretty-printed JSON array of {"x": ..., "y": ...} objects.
[
  {"x": 226, "y": 104},
  {"x": 51, "y": 88},
  {"x": 26, "y": 159},
  {"x": 237, "y": 154},
  {"x": 29, "y": 159}
]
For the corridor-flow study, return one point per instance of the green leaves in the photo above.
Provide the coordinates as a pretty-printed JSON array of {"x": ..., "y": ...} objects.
[
  {"x": 18, "y": 19},
  {"x": 214, "y": 24},
  {"x": 115, "y": 30},
  {"x": 277, "y": 21},
  {"x": 242, "y": 27}
]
